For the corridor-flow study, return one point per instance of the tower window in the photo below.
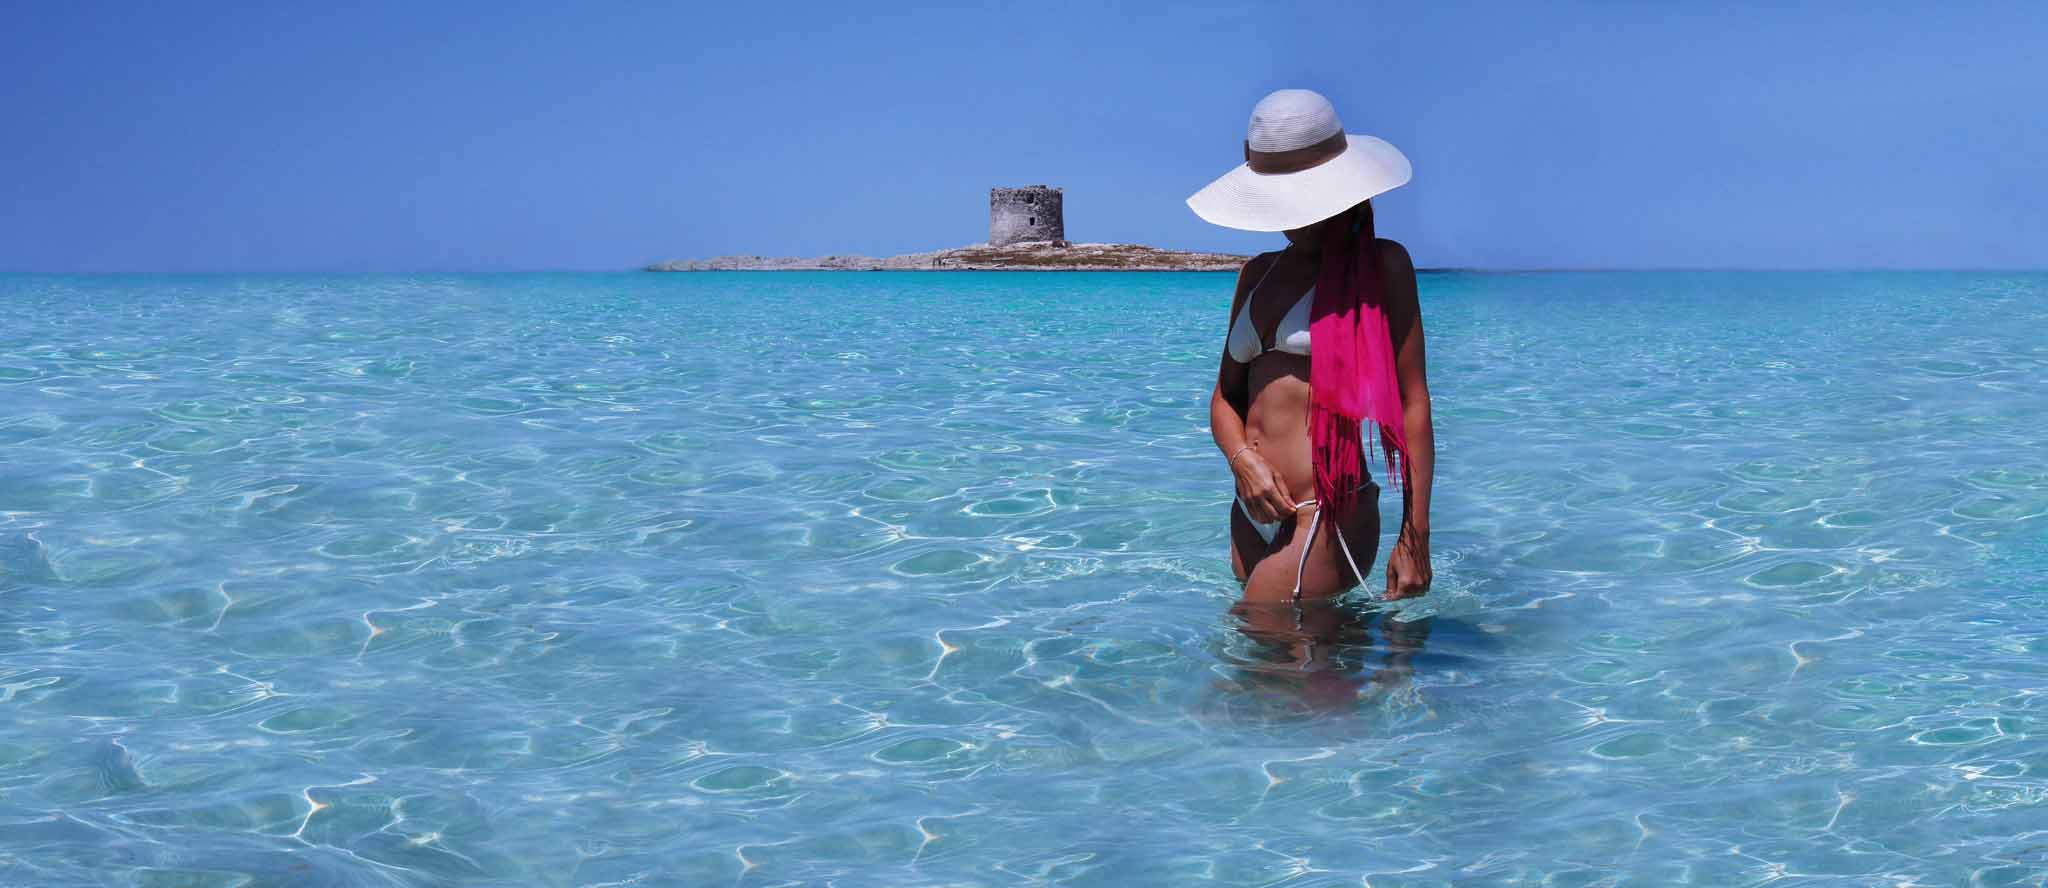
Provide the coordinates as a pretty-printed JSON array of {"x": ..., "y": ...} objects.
[{"x": 1034, "y": 220}]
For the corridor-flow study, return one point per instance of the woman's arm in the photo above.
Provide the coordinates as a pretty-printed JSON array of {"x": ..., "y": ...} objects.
[
  {"x": 1408, "y": 570},
  {"x": 1265, "y": 497}
]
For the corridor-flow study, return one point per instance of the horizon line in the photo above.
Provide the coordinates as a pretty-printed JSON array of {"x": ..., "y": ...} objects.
[{"x": 1436, "y": 269}]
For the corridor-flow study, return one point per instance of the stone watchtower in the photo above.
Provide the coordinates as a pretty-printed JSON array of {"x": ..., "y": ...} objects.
[{"x": 1031, "y": 213}]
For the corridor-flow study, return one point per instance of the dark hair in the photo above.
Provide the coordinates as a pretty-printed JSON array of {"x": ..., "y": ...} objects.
[
  {"x": 1361, "y": 219},
  {"x": 1359, "y": 229}
]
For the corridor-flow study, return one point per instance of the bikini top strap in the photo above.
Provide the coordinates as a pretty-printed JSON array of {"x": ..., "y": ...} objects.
[{"x": 1262, "y": 280}]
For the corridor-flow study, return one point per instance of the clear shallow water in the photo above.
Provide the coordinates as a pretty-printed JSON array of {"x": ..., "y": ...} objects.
[{"x": 920, "y": 579}]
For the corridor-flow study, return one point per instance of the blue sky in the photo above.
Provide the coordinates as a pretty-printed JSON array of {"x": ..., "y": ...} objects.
[{"x": 440, "y": 136}]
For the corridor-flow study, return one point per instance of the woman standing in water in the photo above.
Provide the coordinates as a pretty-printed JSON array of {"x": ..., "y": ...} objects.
[{"x": 1295, "y": 421}]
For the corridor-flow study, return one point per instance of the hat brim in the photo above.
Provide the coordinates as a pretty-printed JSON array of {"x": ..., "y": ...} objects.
[{"x": 1255, "y": 201}]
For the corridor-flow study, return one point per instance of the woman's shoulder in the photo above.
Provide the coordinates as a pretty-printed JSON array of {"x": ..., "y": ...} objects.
[
  {"x": 1257, "y": 263},
  {"x": 1397, "y": 270},
  {"x": 1393, "y": 257},
  {"x": 1249, "y": 274}
]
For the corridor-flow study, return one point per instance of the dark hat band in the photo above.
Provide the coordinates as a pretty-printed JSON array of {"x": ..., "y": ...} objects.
[{"x": 1294, "y": 160}]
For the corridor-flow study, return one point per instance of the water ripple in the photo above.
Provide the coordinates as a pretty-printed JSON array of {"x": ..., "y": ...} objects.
[{"x": 593, "y": 580}]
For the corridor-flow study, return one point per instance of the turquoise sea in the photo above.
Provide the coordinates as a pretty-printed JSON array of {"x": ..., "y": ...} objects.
[{"x": 920, "y": 579}]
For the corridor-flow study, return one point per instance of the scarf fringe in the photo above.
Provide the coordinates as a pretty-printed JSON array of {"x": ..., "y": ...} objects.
[{"x": 1338, "y": 455}]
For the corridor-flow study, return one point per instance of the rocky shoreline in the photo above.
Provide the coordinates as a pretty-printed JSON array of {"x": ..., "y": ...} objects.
[{"x": 1040, "y": 256}]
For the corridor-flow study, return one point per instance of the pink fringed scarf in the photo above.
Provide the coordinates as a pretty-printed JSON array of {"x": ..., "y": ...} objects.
[{"x": 1352, "y": 376}]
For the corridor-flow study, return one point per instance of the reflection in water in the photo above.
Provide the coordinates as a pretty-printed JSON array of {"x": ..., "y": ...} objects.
[{"x": 1322, "y": 653}]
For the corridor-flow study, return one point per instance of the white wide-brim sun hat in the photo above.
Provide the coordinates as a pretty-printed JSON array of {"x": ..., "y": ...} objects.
[{"x": 1300, "y": 168}]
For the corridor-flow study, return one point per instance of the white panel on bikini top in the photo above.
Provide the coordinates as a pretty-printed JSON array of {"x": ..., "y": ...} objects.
[{"x": 1292, "y": 334}]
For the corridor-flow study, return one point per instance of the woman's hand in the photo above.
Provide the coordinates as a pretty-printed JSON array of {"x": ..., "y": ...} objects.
[
  {"x": 1408, "y": 573},
  {"x": 1259, "y": 486}
]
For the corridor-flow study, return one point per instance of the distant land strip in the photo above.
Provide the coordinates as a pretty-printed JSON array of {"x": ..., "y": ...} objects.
[{"x": 1039, "y": 256}]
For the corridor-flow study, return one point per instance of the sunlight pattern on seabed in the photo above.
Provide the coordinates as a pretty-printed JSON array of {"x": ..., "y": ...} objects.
[{"x": 898, "y": 579}]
